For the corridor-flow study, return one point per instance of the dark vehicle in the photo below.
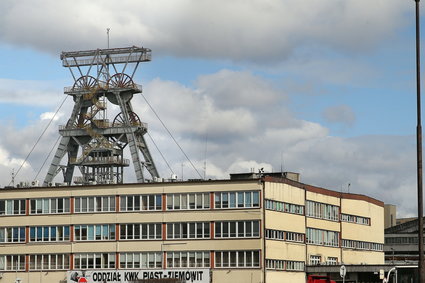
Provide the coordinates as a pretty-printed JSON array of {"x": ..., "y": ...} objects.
[{"x": 319, "y": 279}]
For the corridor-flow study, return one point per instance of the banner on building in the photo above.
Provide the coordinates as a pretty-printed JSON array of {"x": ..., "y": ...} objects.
[{"x": 195, "y": 275}]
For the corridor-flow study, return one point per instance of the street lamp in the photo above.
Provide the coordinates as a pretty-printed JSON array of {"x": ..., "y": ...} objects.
[{"x": 419, "y": 153}]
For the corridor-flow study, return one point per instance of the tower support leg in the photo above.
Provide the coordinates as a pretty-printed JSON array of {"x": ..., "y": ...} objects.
[
  {"x": 60, "y": 152},
  {"x": 131, "y": 141}
]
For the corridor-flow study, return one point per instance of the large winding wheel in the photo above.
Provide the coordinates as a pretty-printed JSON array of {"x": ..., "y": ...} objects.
[
  {"x": 85, "y": 83},
  {"x": 120, "y": 80},
  {"x": 119, "y": 120}
]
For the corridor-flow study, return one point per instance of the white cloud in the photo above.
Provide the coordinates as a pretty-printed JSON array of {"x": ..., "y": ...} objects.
[
  {"x": 51, "y": 115},
  {"x": 340, "y": 114},
  {"x": 256, "y": 31},
  {"x": 236, "y": 136},
  {"x": 28, "y": 92}
]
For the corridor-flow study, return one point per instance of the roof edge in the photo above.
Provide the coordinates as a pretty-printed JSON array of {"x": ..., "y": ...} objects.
[{"x": 323, "y": 191}]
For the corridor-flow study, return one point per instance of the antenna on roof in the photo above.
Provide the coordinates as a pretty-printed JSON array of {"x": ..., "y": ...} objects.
[
  {"x": 205, "y": 157},
  {"x": 13, "y": 177},
  {"x": 107, "y": 34}
]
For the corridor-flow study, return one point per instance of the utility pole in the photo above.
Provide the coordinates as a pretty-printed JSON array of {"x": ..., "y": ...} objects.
[{"x": 419, "y": 152}]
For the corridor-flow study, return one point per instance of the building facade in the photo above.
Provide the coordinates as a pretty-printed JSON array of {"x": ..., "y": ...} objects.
[{"x": 265, "y": 229}]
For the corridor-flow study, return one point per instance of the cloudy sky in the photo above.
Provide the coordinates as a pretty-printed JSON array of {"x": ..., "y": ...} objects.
[{"x": 325, "y": 88}]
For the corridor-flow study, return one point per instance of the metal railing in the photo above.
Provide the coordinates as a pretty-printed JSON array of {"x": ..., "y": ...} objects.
[
  {"x": 101, "y": 88},
  {"x": 104, "y": 124},
  {"x": 102, "y": 59}
]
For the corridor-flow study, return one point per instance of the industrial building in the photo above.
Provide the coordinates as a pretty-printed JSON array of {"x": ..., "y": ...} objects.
[
  {"x": 246, "y": 229},
  {"x": 93, "y": 227}
]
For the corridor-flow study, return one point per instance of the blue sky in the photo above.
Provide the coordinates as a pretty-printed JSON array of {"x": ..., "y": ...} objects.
[{"x": 325, "y": 88}]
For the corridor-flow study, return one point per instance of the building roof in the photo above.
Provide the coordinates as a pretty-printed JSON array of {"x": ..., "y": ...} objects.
[
  {"x": 403, "y": 228},
  {"x": 323, "y": 191}
]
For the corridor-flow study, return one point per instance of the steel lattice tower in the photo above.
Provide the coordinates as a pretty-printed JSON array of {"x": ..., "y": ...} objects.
[{"x": 90, "y": 140}]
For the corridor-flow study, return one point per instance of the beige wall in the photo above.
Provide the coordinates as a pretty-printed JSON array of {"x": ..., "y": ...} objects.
[
  {"x": 313, "y": 196},
  {"x": 362, "y": 257},
  {"x": 390, "y": 213},
  {"x": 284, "y": 192},
  {"x": 368, "y": 233},
  {"x": 237, "y": 276},
  {"x": 281, "y": 276},
  {"x": 279, "y": 250}
]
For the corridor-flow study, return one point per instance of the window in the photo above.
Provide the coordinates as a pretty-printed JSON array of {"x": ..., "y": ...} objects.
[
  {"x": 278, "y": 264},
  {"x": 141, "y": 260},
  {"x": 12, "y": 235},
  {"x": 141, "y": 202},
  {"x": 284, "y": 236},
  {"x": 143, "y": 231},
  {"x": 322, "y": 210},
  {"x": 94, "y": 260},
  {"x": 225, "y": 259},
  {"x": 237, "y": 199},
  {"x": 49, "y": 206},
  {"x": 360, "y": 245},
  {"x": 94, "y": 204},
  {"x": 188, "y": 230},
  {"x": 284, "y": 207},
  {"x": 188, "y": 259},
  {"x": 12, "y": 262},
  {"x": 188, "y": 201},
  {"x": 294, "y": 265},
  {"x": 315, "y": 260},
  {"x": 332, "y": 260},
  {"x": 100, "y": 232},
  {"x": 49, "y": 262},
  {"x": 49, "y": 234},
  {"x": 355, "y": 219},
  {"x": 322, "y": 237},
  {"x": 237, "y": 229},
  {"x": 12, "y": 207}
]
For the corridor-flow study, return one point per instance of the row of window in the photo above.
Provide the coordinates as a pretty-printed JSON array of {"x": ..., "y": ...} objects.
[
  {"x": 284, "y": 207},
  {"x": 237, "y": 259},
  {"x": 402, "y": 240},
  {"x": 49, "y": 233},
  {"x": 317, "y": 259},
  {"x": 12, "y": 207},
  {"x": 188, "y": 230},
  {"x": 188, "y": 201},
  {"x": 322, "y": 210},
  {"x": 103, "y": 232},
  {"x": 12, "y": 234},
  {"x": 355, "y": 219},
  {"x": 141, "y": 202},
  {"x": 322, "y": 237},
  {"x": 284, "y": 236},
  {"x": 139, "y": 231},
  {"x": 289, "y": 265},
  {"x": 237, "y": 199},
  {"x": 148, "y": 260},
  {"x": 154, "y": 202},
  {"x": 143, "y": 231},
  {"x": 360, "y": 245},
  {"x": 237, "y": 229},
  {"x": 50, "y": 205}
]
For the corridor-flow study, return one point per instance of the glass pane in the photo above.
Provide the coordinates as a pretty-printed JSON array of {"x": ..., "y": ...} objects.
[
  {"x": 248, "y": 202},
  {"x": 256, "y": 199},
  {"x": 184, "y": 201},
  {"x": 170, "y": 201},
  {"x": 240, "y": 199},
  {"x": 225, "y": 201},
  {"x": 232, "y": 200},
  {"x": 192, "y": 204}
]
